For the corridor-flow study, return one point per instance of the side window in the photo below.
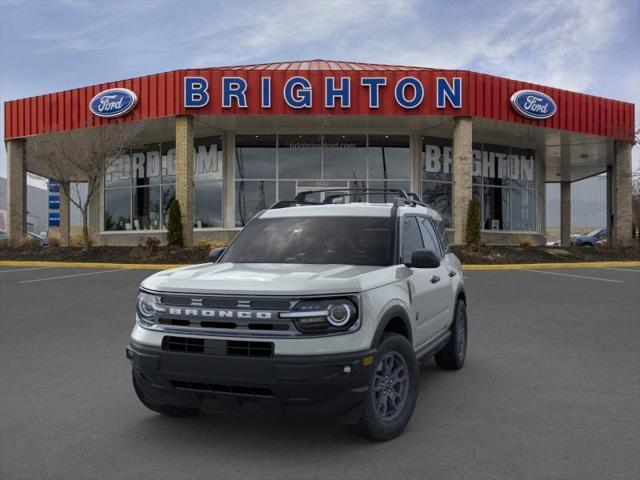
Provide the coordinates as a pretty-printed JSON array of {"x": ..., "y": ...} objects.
[
  {"x": 430, "y": 237},
  {"x": 442, "y": 234},
  {"x": 411, "y": 238}
]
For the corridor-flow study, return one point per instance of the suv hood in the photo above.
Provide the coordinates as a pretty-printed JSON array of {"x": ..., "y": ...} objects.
[{"x": 271, "y": 279}]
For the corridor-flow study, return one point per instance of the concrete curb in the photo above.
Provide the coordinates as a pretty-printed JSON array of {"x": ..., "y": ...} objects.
[
  {"x": 131, "y": 266},
  {"x": 165, "y": 266}
]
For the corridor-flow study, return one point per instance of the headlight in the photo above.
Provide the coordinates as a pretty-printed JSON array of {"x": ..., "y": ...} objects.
[
  {"x": 323, "y": 316},
  {"x": 146, "y": 307}
]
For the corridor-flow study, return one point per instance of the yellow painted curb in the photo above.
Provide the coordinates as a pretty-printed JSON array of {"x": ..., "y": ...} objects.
[
  {"x": 165, "y": 266},
  {"x": 550, "y": 266},
  {"x": 132, "y": 266}
]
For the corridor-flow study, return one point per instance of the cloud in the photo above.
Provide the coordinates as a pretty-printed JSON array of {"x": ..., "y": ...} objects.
[{"x": 583, "y": 45}]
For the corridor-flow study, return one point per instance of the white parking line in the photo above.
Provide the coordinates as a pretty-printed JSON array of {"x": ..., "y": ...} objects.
[
  {"x": 577, "y": 276},
  {"x": 637, "y": 270},
  {"x": 24, "y": 269},
  {"x": 69, "y": 276}
]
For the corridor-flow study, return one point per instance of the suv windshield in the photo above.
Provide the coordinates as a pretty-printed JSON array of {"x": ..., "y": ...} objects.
[{"x": 341, "y": 240}]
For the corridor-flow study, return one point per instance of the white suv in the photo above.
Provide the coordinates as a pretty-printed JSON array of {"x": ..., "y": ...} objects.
[{"x": 316, "y": 308}]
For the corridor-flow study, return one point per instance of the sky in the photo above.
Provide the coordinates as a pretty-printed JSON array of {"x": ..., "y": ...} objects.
[{"x": 581, "y": 45}]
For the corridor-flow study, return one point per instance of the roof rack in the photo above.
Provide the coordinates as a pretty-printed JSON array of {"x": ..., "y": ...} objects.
[{"x": 402, "y": 197}]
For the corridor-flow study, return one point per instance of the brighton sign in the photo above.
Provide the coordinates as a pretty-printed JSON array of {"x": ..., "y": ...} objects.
[
  {"x": 408, "y": 92},
  {"x": 533, "y": 104}
]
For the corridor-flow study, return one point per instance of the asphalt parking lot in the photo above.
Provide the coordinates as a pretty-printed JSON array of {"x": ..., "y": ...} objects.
[{"x": 551, "y": 389}]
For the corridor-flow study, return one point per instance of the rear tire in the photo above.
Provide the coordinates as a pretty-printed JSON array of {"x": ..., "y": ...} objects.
[
  {"x": 393, "y": 390},
  {"x": 452, "y": 356},
  {"x": 169, "y": 410}
]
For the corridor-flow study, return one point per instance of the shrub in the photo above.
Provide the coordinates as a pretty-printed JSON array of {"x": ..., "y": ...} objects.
[
  {"x": 174, "y": 226},
  {"x": 525, "y": 244},
  {"x": 472, "y": 235},
  {"x": 207, "y": 245},
  {"x": 54, "y": 242},
  {"x": 152, "y": 244},
  {"x": 204, "y": 245}
]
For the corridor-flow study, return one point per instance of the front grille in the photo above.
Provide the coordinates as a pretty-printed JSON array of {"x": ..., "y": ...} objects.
[
  {"x": 210, "y": 346},
  {"x": 274, "y": 325},
  {"x": 226, "y": 302},
  {"x": 216, "y": 388},
  {"x": 183, "y": 344},
  {"x": 249, "y": 349}
]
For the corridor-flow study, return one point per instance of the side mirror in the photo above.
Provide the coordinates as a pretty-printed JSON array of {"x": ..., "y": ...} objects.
[
  {"x": 424, "y": 259},
  {"x": 215, "y": 254}
]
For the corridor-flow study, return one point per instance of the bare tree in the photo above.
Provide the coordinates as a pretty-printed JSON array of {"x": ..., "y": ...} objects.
[{"x": 82, "y": 156}]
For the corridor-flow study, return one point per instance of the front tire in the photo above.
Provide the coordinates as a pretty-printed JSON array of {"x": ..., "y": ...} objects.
[
  {"x": 393, "y": 390},
  {"x": 452, "y": 356},
  {"x": 169, "y": 410}
]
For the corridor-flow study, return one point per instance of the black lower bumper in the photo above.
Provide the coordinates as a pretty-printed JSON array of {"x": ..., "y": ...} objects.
[{"x": 311, "y": 385}]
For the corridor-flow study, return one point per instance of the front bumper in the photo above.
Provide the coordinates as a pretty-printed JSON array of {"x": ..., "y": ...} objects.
[{"x": 311, "y": 385}]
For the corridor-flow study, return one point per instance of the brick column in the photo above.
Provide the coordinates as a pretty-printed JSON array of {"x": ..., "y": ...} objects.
[
  {"x": 462, "y": 175},
  {"x": 16, "y": 191},
  {"x": 228, "y": 181},
  {"x": 565, "y": 213},
  {"x": 65, "y": 218},
  {"x": 621, "y": 184},
  {"x": 184, "y": 174}
]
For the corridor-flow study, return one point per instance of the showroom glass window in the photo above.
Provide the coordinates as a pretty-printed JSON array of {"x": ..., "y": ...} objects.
[
  {"x": 503, "y": 183},
  {"x": 277, "y": 167},
  {"x": 437, "y": 174},
  {"x": 207, "y": 182},
  {"x": 140, "y": 186}
]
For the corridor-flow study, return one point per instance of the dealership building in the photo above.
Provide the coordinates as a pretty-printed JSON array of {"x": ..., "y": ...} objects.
[{"x": 228, "y": 142}]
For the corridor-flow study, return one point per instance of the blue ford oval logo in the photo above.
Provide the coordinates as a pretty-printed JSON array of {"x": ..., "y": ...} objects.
[
  {"x": 533, "y": 104},
  {"x": 114, "y": 102}
]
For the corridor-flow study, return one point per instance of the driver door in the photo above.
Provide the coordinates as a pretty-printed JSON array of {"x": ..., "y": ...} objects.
[{"x": 428, "y": 286}]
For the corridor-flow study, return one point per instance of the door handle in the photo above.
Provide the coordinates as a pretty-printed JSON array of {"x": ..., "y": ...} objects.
[
  {"x": 435, "y": 279},
  {"x": 452, "y": 273}
]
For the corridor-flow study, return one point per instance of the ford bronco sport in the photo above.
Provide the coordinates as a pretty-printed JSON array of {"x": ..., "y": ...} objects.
[{"x": 315, "y": 308}]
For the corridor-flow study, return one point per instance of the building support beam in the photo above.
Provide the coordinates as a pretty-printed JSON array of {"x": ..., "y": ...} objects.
[
  {"x": 65, "y": 216},
  {"x": 415, "y": 147},
  {"x": 621, "y": 186},
  {"x": 16, "y": 191},
  {"x": 184, "y": 174},
  {"x": 565, "y": 213},
  {"x": 228, "y": 180},
  {"x": 462, "y": 175}
]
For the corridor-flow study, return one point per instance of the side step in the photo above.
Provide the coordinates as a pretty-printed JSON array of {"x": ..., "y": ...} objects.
[{"x": 434, "y": 346}]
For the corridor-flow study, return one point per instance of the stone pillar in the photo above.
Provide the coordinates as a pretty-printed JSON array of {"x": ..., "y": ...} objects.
[
  {"x": 184, "y": 174},
  {"x": 621, "y": 184},
  {"x": 415, "y": 147},
  {"x": 228, "y": 180},
  {"x": 462, "y": 175},
  {"x": 65, "y": 216},
  {"x": 565, "y": 213},
  {"x": 16, "y": 191}
]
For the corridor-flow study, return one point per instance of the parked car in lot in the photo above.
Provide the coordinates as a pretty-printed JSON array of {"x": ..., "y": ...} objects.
[
  {"x": 316, "y": 308},
  {"x": 41, "y": 239},
  {"x": 590, "y": 239}
]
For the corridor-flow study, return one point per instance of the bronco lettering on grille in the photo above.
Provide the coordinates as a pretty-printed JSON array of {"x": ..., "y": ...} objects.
[{"x": 213, "y": 313}]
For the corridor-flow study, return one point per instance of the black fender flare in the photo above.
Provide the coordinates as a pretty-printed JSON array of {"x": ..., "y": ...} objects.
[
  {"x": 395, "y": 311},
  {"x": 461, "y": 295}
]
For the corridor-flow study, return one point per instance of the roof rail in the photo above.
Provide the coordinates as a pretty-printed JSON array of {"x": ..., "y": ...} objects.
[{"x": 402, "y": 197}]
